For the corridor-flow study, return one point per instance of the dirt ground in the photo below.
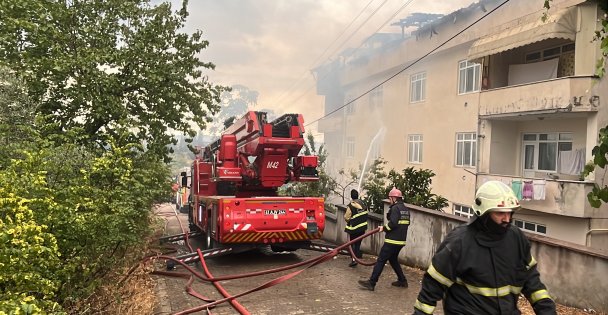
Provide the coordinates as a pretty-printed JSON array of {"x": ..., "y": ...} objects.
[{"x": 328, "y": 288}]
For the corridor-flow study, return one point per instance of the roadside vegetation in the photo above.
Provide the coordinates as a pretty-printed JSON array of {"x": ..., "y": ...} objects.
[{"x": 91, "y": 95}]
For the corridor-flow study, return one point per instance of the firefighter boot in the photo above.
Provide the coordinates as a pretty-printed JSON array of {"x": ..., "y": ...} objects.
[
  {"x": 401, "y": 284},
  {"x": 366, "y": 284},
  {"x": 353, "y": 264}
]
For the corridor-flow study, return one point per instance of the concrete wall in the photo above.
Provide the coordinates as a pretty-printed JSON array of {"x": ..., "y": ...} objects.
[{"x": 575, "y": 275}]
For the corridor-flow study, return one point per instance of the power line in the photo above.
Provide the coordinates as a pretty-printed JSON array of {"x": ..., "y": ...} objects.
[
  {"x": 338, "y": 47},
  {"x": 357, "y": 48},
  {"x": 280, "y": 97},
  {"x": 344, "y": 31},
  {"x": 408, "y": 66}
]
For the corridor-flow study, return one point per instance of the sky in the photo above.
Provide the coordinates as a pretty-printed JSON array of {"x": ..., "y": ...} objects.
[{"x": 271, "y": 46}]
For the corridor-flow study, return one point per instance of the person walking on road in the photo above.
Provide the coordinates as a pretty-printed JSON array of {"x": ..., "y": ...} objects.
[
  {"x": 356, "y": 223},
  {"x": 484, "y": 266},
  {"x": 398, "y": 218}
]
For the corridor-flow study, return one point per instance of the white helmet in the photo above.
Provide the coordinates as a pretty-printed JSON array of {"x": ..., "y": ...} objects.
[{"x": 494, "y": 196}]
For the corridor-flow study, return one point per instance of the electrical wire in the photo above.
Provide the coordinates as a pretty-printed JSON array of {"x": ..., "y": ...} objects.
[
  {"x": 304, "y": 75},
  {"x": 350, "y": 36},
  {"x": 408, "y": 66},
  {"x": 356, "y": 48}
]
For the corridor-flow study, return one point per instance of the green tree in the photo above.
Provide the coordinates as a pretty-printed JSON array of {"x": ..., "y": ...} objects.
[
  {"x": 103, "y": 66},
  {"x": 16, "y": 116},
  {"x": 414, "y": 184},
  {"x": 416, "y": 187},
  {"x": 320, "y": 188},
  {"x": 375, "y": 186},
  {"x": 343, "y": 181},
  {"x": 77, "y": 208}
]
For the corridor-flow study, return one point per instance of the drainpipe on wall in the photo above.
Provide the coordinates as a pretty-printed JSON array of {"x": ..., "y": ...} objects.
[
  {"x": 479, "y": 136},
  {"x": 588, "y": 235}
]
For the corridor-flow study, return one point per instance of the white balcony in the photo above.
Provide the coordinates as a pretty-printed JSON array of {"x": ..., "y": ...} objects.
[
  {"x": 331, "y": 124},
  {"x": 561, "y": 95}
]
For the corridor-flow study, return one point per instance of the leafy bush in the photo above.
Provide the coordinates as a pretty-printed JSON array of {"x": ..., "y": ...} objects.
[
  {"x": 414, "y": 184},
  {"x": 68, "y": 212},
  {"x": 29, "y": 255}
]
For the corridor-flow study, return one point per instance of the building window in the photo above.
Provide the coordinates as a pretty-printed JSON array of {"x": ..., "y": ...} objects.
[
  {"x": 349, "y": 108},
  {"x": 414, "y": 148},
  {"x": 466, "y": 149},
  {"x": 418, "y": 87},
  {"x": 350, "y": 147},
  {"x": 468, "y": 77},
  {"x": 462, "y": 211},
  {"x": 565, "y": 54},
  {"x": 375, "y": 97},
  {"x": 541, "y": 150},
  {"x": 549, "y": 53},
  {"x": 531, "y": 226}
]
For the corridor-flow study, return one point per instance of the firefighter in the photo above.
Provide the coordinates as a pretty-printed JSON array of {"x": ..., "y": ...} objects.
[
  {"x": 356, "y": 223},
  {"x": 483, "y": 267},
  {"x": 398, "y": 221}
]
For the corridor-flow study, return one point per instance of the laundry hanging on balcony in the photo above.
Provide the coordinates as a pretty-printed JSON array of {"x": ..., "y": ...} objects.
[
  {"x": 539, "y": 189},
  {"x": 516, "y": 185},
  {"x": 532, "y": 72},
  {"x": 571, "y": 162},
  {"x": 528, "y": 190}
]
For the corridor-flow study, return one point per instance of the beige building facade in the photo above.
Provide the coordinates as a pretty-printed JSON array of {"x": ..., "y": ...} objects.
[{"x": 488, "y": 92}]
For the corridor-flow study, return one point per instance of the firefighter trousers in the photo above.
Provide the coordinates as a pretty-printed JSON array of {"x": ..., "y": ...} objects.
[
  {"x": 390, "y": 253},
  {"x": 356, "y": 246}
]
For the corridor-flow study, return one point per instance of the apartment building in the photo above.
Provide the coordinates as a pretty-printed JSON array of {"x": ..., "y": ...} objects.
[{"x": 490, "y": 91}]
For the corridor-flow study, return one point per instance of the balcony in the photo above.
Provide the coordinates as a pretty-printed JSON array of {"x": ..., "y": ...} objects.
[
  {"x": 562, "y": 197},
  {"x": 332, "y": 123},
  {"x": 567, "y": 94}
]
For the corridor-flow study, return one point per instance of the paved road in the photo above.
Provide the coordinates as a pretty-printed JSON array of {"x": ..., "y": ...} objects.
[{"x": 329, "y": 288}]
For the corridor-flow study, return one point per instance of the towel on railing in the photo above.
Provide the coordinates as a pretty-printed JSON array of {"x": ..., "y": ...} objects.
[
  {"x": 539, "y": 189},
  {"x": 516, "y": 186},
  {"x": 528, "y": 190}
]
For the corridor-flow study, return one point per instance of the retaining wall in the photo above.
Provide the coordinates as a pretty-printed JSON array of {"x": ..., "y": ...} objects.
[{"x": 574, "y": 274}]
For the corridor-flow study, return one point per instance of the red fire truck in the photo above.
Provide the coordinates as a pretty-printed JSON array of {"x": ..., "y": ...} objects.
[{"x": 234, "y": 183}]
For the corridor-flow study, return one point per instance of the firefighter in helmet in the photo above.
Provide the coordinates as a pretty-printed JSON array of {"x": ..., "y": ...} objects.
[
  {"x": 356, "y": 223},
  {"x": 398, "y": 221},
  {"x": 483, "y": 267}
]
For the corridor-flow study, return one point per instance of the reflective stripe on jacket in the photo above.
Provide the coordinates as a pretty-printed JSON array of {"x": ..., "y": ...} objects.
[
  {"x": 398, "y": 221},
  {"x": 475, "y": 274},
  {"x": 357, "y": 223}
]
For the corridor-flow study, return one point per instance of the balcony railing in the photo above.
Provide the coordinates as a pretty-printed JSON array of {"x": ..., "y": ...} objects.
[
  {"x": 567, "y": 94},
  {"x": 331, "y": 124},
  {"x": 562, "y": 197}
]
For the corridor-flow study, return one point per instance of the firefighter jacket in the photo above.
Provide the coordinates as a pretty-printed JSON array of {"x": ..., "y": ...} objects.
[
  {"x": 475, "y": 273},
  {"x": 398, "y": 220},
  {"x": 356, "y": 217}
]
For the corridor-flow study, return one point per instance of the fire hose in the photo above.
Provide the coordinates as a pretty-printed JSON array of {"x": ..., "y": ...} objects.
[{"x": 231, "y": 298}]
